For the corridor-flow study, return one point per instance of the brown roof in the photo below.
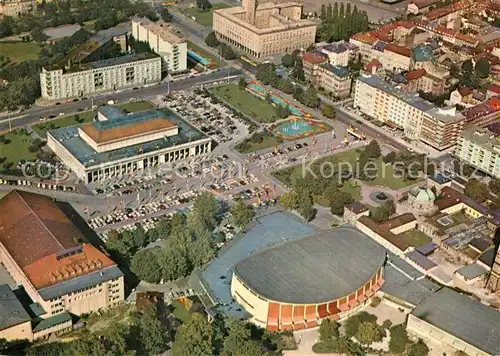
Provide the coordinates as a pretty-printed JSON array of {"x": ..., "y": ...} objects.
[
  {"x": 126, "y": 131},
  {"x": 313, "y": 58},
  {"x": 367, "y": 37},
  {"x": 33, "y": 227},
  {"x": 464, "y": 91},
  {"x": 381, "y": 230},
  {"x": 374, "y": 63},
  {"x": 416, "y": 74},
  {"x": 356, "y": 208},
  {"x": 399, "y": 50},
  {"x": 398, "y": 221},
  {"x": 52, "y": 270}
]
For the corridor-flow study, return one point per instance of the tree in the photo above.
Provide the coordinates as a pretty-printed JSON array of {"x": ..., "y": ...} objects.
[
  {"x": 418, "y": 349},
  {"x": 476, "y": 190},
  {"x": 338, "y": 200},
  {"x": 329, "y": 111},
  {"x": 379, "y": 213},
  {"x": 287, "y": 60},
  {"x": 211, "y": 40},
  {"x": 373, "y": 149},
  {"x": 206, "y": 207},
  {"x": 123, "y": 244},
  {"x": 482, "y": 68},
  {"x": 399, "y": 339},
  {"x": 289, "y": 201},
  {"x": 203, "y": 4},
  {"x": 390, "y": 157},
  {"x": 467, "y": 67},
  {"x": 195, "y": 337},
  {"x": 352, "y": 323},
  {"x": 227, "y": 52},
  {"x": 368, "y": 333},
  {"x": 241, "y": 214},
  {"x": 238, "y": 340},
  {"x": 328, "y": 330},
  {"x": 242, "y": 83},
  {"x": 298, "y": 71},
  {"x": 166, "y": 15},
  {"x": 494, "y": 186},
  {"x": 310, "y": 97},
  {"x": 37, "y": 35},
  {"x": 145, "y": 265},
  {"x": 285, "y": 86},
  {"x": 306, "y": 206},
  {"x": 153, "y": 335}
]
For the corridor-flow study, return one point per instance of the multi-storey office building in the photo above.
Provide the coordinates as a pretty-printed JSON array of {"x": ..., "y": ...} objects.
[
  {"x": 264, "y": 29},
  {"x": 164, "y": 42},
  {"x": 118, "y": 144},
  {"x": 420, "y": 119}
]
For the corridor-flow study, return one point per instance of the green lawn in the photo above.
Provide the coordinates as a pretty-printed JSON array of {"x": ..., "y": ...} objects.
[
  {"x": 246, "y": 102},
  {"x": 20, "y": 51},
  {"x": 15, "y": 147},
  {"x": 415, "y": 238},
  {"x": 202, "y": 52},
  {"x": 204, "y": 18},
  {"x": 249, "y": 146},
  {"x": 385, "y": 176},
  {"x": 85, "y": 116}
]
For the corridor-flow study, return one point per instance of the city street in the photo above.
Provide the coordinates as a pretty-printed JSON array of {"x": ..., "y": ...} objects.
[{"x": 33, "y": 114}]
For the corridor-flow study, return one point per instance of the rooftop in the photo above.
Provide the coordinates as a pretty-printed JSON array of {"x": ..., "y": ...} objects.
[
  {"x": 52, "y": 321},
  {"x": 11, "y": 311},
  {"x": 414, "y": 100},
  {"x": 314, "y": 58},
  {"x": 160, "y": 29},
  {"x": 322, "y": 267},
  {"x": 86, "y": 155},
  {"x": 384, "y": 232},
  {"x": 339, "y": 71},
  {"x": 423, "y": 53},
  {"x": 124, "y": 126},
  {"x": 463, "y": 317},
  {"x": 482, "y": 137}
]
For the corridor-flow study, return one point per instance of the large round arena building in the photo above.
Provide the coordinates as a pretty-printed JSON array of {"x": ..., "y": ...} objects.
[{"x": 296, "y": 284}]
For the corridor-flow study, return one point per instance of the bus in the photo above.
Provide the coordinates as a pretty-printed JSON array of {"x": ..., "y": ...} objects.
[
  {"x": 355, "y": 132},
  {"x": 249, "y": 61}
]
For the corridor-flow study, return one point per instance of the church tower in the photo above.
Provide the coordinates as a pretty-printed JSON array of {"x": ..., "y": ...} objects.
[{"x": 250, "y": 7}]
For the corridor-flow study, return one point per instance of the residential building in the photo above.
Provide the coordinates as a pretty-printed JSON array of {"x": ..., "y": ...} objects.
[
  {"x": 421, "y": 6},
  {"x": 15, "y": 8},
  {"x": 480, "y": 147},
  {"x": 493, "y": 90},
  {"x": 485, "y": 113},
  {"x": 164, "y": 42},
  {"x": 44, "y": 251},
  {"x": 364, "y": 41},
  {"x": 264, "y": 29},
  {"x": 418, "y": 80},
  {"x": 393, "y": 57},
  {"x": 375, "y": 68},
  {"x": 461, "y": 96},
  {"x": 61, "y": 81},
  {"x": 340, "y": 53},
  {"x": 335, "y": 80},
  {"x": 118, "y": 143},
  {"x": 311, "y": 62},
  {"x": 420, "y": 119}
]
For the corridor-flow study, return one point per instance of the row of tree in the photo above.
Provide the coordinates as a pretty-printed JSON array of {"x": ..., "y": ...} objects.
[
  {"x": 341, "y": 22},
  {"x": 147, "y": 333},
  {"x": 188, "y": 241},
  {"x": 225, "y": 50}
]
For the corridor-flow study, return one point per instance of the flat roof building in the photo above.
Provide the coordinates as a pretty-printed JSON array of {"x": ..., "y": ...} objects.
[
  {"x": 420, "y": 119},
  {"x": 457, "y": 321},
  {"x": 47, "y": 254},
  {"x": 296, "y": 284},
  {"x": 480, "y": 147},
  {"x": 264, "y": 29},
  {"x": 172, "y": 48},
  {"x": 15, "y": 322},
  {"x": 119, "y": 143}
]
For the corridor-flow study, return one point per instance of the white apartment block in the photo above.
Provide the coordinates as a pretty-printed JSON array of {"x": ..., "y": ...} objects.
[
  {"x": 420, "y": 119},
  {"x": 162, "y": 41},
  {"x": 340, "y": 53},
  {"x": 480, "y": 147},
  {"x": 15, "y": 8},
  {"x": 61, "y": 82}
]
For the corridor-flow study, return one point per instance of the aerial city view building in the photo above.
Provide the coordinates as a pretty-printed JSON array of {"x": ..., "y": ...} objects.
[{"x": 250, "y": 178}]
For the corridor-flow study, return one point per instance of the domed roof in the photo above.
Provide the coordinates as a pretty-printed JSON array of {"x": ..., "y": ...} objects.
[{"x": 423, "y": 194}]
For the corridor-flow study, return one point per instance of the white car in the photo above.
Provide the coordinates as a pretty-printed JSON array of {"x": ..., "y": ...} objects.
[{"x": 61, "y": 114}]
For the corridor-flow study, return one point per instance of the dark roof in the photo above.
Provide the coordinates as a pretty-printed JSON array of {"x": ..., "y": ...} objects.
[
  {"x": 79, "y": 283},
  {"x": 11, "y": 311},
  {"x": 421, "y": 260},
  {"x": 480, "y": 244},
  {"x": 319, "y": 268},
  {"x": 440, "y": 179},
  {"x": 52, "y": 321},
  {"x": 488, "y": 257},
  {"x": 471, "y": 271},
  {"x": 32, "y": 226},
  {"x": 462, "y": 317},
  {"x": 356, "y": 208}
]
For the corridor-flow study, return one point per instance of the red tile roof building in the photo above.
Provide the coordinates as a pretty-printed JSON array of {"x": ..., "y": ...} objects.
[{"x": 45, "y": 252}]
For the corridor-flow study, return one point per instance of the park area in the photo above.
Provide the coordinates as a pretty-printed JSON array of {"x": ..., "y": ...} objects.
[
  {"x": 246, "y": 102},
  {"x": 14, "y": 147},
  {"x": 20, "y": 51},
  {"x": 204, "y": 17},
  {"x": 83, "y": 117}
]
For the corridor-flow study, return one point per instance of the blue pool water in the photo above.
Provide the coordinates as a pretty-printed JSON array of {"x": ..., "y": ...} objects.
[
  {"x": 198, "y": 58},
  {"x": 290, "y": 128}
]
